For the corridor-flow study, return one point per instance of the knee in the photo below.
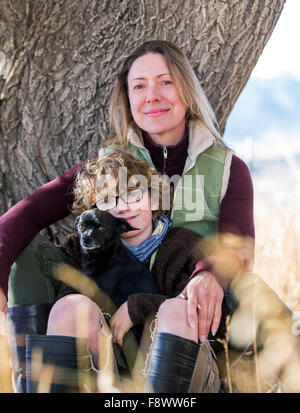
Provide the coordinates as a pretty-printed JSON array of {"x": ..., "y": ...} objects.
[
  {"x": 74, "y": 315},
  {"x": 171, "y": 307},
  {"x": 172, "y": 318}
]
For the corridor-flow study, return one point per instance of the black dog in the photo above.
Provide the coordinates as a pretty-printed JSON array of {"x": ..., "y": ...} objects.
[{"x": 107, "y": 261}]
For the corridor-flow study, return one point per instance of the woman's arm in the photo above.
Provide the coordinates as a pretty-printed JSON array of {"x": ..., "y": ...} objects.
[
  {"x": 236, "y": 221},
  {"x": 236, "y": 214},
  {"x": 20, "y": 224},
  {"x": 236, "y": 248},
  {"x": 236, "y": 228}
]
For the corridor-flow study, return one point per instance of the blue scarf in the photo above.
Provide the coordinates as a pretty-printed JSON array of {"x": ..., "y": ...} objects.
[{"x": 144, "y": 251}]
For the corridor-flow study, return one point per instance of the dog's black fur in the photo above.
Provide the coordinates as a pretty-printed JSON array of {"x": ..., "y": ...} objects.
[{"x": 107, "y": 261}]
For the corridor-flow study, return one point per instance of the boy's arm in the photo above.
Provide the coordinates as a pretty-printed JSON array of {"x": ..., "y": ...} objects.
[
  {"x": 141, "y": 305},
  {"x": 175, "y": 261}
]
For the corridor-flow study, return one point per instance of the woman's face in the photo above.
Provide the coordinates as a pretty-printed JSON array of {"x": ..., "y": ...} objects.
[{"x": 154, "y": 100}]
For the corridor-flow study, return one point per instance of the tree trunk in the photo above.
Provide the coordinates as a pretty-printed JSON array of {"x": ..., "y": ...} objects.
[{"x": 59, "y": 58}]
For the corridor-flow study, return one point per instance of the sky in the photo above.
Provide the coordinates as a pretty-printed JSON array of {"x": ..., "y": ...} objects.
[
  {"x": 274, "y": 151},
  {"x": 281, "y": 54}
]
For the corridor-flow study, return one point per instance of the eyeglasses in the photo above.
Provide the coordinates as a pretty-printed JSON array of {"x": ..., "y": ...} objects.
[{"x": 110, "y": 201}]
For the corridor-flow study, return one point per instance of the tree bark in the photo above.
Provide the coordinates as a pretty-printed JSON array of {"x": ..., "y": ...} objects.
[{"x": 59, "y": 58}]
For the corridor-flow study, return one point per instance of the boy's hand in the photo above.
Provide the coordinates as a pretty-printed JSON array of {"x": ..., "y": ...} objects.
[{"x": 120, "y": 323}]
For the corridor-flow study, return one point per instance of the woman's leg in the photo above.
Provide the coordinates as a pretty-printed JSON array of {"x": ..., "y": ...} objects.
[
  {"x": 178, "y": 364},
  {"x": 32, "y": 291},
  {"x": 263, "y": 320},
  {"x": 31, "y": 280}
]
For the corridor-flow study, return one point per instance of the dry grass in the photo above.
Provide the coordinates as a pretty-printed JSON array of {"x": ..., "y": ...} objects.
[
  {"x": 275, "y": 367},
  {"x": 278, "y": 249},
  {"x": 278, "y": 264}
]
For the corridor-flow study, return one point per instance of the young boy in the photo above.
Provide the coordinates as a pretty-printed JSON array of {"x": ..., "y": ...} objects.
[{"x": 111, "y": 183}]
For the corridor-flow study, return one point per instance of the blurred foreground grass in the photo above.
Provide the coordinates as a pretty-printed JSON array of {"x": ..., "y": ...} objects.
[
  {"x": 277, "y": 262},
  {"x": 277, "y": 252},
  {"x": 276, "y": 367}
]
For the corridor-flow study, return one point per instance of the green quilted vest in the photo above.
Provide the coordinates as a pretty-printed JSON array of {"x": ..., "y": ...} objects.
[{"x": 199, "y": 192}]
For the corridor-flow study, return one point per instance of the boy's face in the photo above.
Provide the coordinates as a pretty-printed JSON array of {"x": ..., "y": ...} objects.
[{"x": 138, "y": 214}]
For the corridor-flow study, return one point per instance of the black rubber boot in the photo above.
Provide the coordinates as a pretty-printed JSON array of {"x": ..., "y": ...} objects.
[
  {"x": 21, "y": 320},
  {"x": 171, "y": 364},
  {"x": 58, "y": 364}
]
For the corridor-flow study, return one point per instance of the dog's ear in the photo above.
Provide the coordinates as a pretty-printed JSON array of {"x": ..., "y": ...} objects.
[
  {"x": 123, "y": 226},
  {"x": 72, "y": 247}
]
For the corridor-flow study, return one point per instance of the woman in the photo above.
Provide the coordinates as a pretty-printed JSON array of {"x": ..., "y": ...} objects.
[
  {"x": 171, "y": 254},
  {"x": 158, "y": 107}
]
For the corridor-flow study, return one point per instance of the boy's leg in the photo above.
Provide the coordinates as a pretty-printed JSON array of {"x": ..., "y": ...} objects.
[
  {"x": 64, "y": 359},
  {"x": 177, "y": 362}
]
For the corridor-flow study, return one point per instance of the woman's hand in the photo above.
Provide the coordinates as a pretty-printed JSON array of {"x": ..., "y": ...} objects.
[
  {"x": 120, "y": 323},
  {"x": 205, "y": 293}
]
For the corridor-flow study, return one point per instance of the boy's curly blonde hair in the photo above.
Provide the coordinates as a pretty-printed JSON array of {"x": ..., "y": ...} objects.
[{"x": 85, "y": 188}]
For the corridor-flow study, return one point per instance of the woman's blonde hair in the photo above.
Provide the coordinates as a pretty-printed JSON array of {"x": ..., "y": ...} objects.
[
  {"x": 186, "y": 82},
  {"x": 87, "y": 179}
]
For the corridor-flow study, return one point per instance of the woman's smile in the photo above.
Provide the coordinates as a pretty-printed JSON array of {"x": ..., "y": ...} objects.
[{"x": 156, "y": 112}]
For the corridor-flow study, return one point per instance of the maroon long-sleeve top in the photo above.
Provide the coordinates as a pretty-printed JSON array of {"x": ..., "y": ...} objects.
[{"x": 52, "y": 201}]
